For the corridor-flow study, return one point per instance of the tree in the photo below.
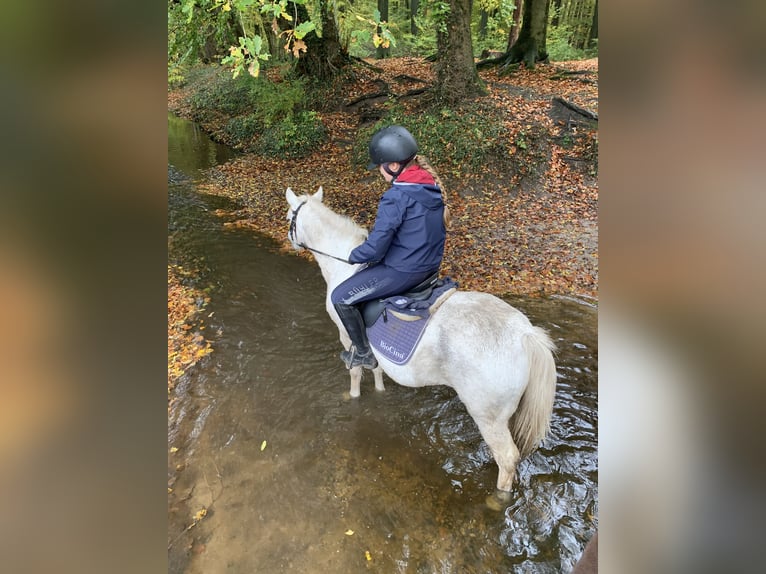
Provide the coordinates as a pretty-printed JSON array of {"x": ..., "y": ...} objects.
[
  {"x": 530, "y": 47},
  {"x": 324, "y": 57},
  {"x": 513, "y": 36},
  {"x": 414, "y": 7},
  {"x": 556, "y": 13},
  {"x": 382, "y": 51},
  {"x": 456, "y": 74},
  {"x": 483, "y": 19},
  {"x": 593, "y": 36}
]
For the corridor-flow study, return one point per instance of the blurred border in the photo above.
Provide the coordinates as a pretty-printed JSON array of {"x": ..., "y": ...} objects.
[
  {"x": 681, "y": 311},
  {"x": 83, "y": 230},
  {"x": 83, "y": 252}
]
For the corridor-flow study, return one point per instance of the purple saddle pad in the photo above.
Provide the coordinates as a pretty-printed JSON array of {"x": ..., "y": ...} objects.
[{"x": 396, "y": 339}]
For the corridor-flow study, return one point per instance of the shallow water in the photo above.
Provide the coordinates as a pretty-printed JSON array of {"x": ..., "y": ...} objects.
[{"x": 288, "y": 466}]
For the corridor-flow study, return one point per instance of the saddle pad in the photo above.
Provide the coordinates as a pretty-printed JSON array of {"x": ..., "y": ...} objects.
[
  {"x": 398, "y": 330},
  {"x": 395, "y": 339}
]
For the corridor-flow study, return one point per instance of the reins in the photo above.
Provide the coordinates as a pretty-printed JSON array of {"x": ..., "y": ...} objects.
[{"x": 292, "y": 235}]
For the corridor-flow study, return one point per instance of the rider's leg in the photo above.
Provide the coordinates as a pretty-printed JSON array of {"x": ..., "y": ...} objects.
[
  {"x": 360, "y": 352},
  {"x": 370, "y": 283}
]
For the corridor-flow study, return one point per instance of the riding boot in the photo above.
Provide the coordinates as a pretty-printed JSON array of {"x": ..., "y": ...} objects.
[{"x": 360, "y": 353}]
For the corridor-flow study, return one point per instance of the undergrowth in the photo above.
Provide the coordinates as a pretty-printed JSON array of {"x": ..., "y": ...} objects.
[
  {"x": 468, "y": 138},
  {"x": 264, "y": 117}
]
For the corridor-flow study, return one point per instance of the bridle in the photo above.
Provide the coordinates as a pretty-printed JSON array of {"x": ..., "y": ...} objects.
[{"x": 293, "y": 236}]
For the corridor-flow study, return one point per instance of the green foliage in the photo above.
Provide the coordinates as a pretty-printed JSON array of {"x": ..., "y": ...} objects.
[
  {"x": 279, "y": 101},
  {"x": 197, "y": 31},
  {"x": 248, "y": 54},
  {"x": 439, "y": 9},
  {"x": 266, "y": 117},
  {"x": 521, "y": 140},
  {"x": 176, "y": 76},
  {"x": 468, "y": 138},
  {"x": 498, "y": 27},
  {"x": 567, "y": 40},
  {"x": 292, "y": 137},
  {"x": 232, "y": 96},
  {"x": 364, "y": 34},
  {"x": 559, "y": 48},
  {"x": 269, "y": 102},
  {"x": 418, "y": 45},
  {"x": 241, "y": 130}
]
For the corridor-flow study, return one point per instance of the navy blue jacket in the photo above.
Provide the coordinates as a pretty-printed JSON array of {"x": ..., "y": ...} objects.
[{"x": 409, "y": 231}]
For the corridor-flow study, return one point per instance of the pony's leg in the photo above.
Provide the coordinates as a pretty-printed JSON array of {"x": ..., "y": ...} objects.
[
  {"x": 355, "y": 373},
  {"x": 377, "y": 374},
  {"x": 506, "y": 454},
  {"x": 356, "y": 380}
]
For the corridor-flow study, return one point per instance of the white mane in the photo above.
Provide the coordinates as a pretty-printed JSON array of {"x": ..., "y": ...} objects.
[{"x": 325, "y": 222}]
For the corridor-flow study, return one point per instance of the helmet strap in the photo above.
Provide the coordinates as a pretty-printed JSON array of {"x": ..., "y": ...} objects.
[{"x": 397, "y": 173}]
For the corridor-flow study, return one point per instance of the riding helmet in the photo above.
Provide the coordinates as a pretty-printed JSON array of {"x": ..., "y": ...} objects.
[{"x": 393, "y": 143}]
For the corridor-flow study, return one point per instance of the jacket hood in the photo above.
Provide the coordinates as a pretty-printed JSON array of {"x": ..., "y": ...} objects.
[{"x": 420, "y": 186}]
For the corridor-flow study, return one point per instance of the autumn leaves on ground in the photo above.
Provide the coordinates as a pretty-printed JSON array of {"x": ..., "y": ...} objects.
[{"x": 525, "y": 223}]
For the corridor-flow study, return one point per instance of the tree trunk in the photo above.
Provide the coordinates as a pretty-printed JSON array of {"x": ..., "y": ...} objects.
[
  {"x": 324, "y": 56},
  {"x": 556, "y": 13},
  {"x": 530, "y": 47},
  {"x": 593, "y": 28},
  {"x": 484, "y": 18},
  {"x": 414, "y": 6},
  {"x": 382, "y": 52},
  {"x": 456, "y": 75},
  {"x": 515, "y": 27}
]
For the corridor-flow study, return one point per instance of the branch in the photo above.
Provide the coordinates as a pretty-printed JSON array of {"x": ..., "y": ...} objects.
[
  {"x": 576, "y": 108},
  {"x": 561, "y": 73},
  {"x": 367, "y": 64},
  {"x": 414, "y": 92},
  {"x": 491, "y": 61},
  {"x": 566, "y": 75},
  {"x": 410, "y": 78},
  {"x": 367, "y": 97}
]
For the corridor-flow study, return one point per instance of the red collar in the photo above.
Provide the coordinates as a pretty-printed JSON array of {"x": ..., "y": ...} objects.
[{"x": 415, "y": 174}]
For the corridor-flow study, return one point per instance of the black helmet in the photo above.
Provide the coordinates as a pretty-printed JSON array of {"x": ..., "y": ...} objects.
[{"x": 393, "y": 143}]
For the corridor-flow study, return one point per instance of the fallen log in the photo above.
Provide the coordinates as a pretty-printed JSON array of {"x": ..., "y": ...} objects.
[{"x": 575, "y": 108}]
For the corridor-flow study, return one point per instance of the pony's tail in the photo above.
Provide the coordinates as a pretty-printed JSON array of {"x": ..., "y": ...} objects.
[
  {"x": 532, "y": 418},
  {"x": 423, "y": 162}
]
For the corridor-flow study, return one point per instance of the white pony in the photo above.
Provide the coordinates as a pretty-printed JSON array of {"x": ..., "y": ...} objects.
[{"x": 500, "y": 365}]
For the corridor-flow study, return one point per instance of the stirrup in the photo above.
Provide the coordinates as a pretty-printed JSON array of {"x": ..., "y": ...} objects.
[{"x": 352, "y": 359}]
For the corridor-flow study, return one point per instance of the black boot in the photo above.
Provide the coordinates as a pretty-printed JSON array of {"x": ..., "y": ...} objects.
[{"x": 360, "y": 353}]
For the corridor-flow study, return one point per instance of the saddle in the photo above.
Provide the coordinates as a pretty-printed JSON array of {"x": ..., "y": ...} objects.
[
  {"x": 371, "y": 310},
  {"x": 396, "y": 324}
]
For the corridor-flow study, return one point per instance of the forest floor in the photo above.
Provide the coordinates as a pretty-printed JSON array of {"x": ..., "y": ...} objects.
[{"x": 524, "y": 224}]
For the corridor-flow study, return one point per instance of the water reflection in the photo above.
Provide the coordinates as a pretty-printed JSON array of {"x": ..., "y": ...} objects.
[
  {"x": 190, "y": 150},
  {"x": 297, "y": 478}
]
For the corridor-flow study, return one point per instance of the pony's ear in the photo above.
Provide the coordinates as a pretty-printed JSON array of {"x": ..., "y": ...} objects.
[
  {"x": 292, "y": 199},
  {"x": 319, "y": 194}
]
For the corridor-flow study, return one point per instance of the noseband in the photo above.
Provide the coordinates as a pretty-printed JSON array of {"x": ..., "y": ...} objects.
[{"x": 292, "y": 235}]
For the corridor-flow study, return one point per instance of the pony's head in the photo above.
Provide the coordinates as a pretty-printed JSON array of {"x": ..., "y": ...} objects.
[{"x": 296, "y": 203}]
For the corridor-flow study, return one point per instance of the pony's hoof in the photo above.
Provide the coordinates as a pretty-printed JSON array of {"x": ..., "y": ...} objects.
[{"x": 499, "y": 500}]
